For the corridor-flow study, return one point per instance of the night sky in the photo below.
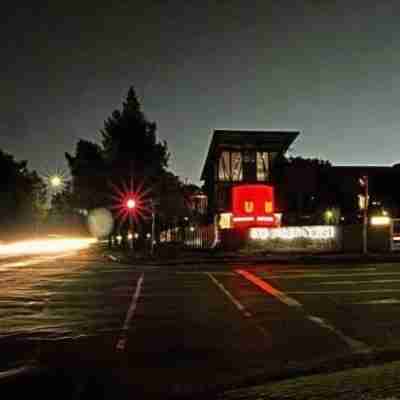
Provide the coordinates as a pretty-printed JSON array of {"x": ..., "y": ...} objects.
[{"x": 329, "y": 69}]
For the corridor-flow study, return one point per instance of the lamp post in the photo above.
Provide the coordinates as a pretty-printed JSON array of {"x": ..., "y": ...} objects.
[
  {"x": 364, "y": 184},
  {"x": 153, "y": 227},
  {"x": 130, "y": 204}
]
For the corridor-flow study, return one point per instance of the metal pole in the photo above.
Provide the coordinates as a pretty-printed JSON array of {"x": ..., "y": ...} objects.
[
  {"x": 153, "y": 229},
  {"x": 365, "y": 217}
]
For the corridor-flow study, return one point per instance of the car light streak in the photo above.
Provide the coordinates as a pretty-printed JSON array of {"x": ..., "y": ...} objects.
[{"x": 44, "y": 246}]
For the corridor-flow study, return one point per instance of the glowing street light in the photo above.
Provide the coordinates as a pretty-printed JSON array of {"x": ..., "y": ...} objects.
[
  {"x": 130, "y": 204},
  {"x": 56, "y": 181}
]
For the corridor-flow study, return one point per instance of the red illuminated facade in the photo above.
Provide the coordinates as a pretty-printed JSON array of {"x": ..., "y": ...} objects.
[
  {"x": 239, "y": 174},
  {"x": 253, "y": 205}
]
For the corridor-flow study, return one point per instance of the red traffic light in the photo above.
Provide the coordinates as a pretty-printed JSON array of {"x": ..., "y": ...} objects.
[{"x": 130, "y": 203}]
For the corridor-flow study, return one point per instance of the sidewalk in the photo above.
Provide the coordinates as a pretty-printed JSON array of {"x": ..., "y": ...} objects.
[
  {"x": 369, "y": 383},
  {"x": 212, "y": 257}
]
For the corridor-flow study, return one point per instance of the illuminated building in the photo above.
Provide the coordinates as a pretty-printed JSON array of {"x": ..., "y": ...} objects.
[{"x": 239, "y": 177}]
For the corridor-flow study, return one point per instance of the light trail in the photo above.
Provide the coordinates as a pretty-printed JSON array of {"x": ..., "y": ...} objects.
[{"x": 44, "y": 246}]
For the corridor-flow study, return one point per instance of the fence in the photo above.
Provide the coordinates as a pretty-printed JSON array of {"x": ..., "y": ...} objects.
[{"x": 199, "y": 237}]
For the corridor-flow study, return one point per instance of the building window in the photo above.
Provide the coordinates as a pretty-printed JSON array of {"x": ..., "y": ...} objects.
[
  {"x": 230, "y": 166},
  {"x": 262, "y": 166}
]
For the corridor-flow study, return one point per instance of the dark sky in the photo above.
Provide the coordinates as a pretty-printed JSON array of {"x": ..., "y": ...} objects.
[{"x": 330, "y": 69}]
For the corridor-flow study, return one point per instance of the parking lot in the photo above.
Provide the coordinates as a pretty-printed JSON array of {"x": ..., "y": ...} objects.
[
  {"x": 172, "y": 328},
  {"x": 359, "y": 303}
]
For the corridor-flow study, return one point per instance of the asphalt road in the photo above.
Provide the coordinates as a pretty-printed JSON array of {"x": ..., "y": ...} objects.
[{"x": 157, "y": 330}]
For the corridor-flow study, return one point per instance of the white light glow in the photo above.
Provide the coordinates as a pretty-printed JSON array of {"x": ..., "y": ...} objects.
[
  {"x": 44, "y": 246},
  {"x": 225, "y": 220},
  {"x": 294, "y": 232},
  {"x": 380, "y": 220},
  {"x": 131, "y": 204},
  {"x": 243, "y": 219},
  {"x": 266, "y": 219},
  {"x": 55, "y": 181}
]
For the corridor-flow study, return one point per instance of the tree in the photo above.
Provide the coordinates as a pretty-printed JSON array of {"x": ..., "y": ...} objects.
[
  {"x": 129, "y": 152},
  {"x": 304, "y": 188},
  {"x": 130, "y": 145},
  {"x": 23, "y": 200},
  {"x": 89, "y": 172}
]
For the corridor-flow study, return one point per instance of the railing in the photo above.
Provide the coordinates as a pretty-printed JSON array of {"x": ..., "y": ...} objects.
[{"x": 195, "y": 237}]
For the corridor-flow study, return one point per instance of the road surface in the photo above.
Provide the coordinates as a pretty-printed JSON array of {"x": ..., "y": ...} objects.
[{"x": 190, "y": 329}]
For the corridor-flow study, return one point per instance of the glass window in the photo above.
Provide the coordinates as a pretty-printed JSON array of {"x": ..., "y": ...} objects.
[
  {"x": 230, "y": 166},
  {"x": 237, "y": 171},
  {"x": 262, "y": 166},
  {"x": 224, "y": 167}
]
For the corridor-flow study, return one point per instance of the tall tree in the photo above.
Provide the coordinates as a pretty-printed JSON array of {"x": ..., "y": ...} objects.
[
  {"x": 129, "y": 152},
  {"x": 130, "y": 144}
]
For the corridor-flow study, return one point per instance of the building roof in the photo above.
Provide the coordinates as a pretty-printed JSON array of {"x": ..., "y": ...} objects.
[{"x": 276, "y": 141}]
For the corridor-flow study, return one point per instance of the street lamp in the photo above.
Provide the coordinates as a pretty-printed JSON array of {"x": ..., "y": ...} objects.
[
  {"x": 365, "y": 185},
  {"x": 130, "y": 204},
  {"x": 56, "y": 181}
]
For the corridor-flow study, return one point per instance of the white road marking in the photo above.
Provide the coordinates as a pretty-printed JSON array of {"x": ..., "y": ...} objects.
[
  {"x": 381, "y": 301},
  {"x": 319, "y": 292},
  {"x": 355, "y": 345},
  {"x": 229, "y": 273},
  {"x": 16, "y": 371},
  {"x": 236, "y": 302},
  {"x": 326, "y": 275},
  {"x": 266, "y": 287},
  {"x": 360, "y": 282},
  {"x": 239, "y": 306},
  {"x": 129, "y": 315},
  {"x": 323, "y": 270}
]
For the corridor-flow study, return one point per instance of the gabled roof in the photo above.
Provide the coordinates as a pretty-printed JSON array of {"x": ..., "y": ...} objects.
[{"x": 276, "y": 141}]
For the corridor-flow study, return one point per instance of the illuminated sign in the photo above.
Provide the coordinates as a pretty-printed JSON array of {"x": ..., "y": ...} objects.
[
  {"x": 248, "y": 206},
  {"x": 268, "y": 218},
  {"x": 243, "y": 219},
  {"x": 253, "y": 204},
  {"x": 323, "y": 232},
  {"x": 225, "y": 220},
  {"x": 383, "y": 220}
]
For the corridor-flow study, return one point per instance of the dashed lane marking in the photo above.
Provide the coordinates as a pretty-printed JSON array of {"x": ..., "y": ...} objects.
[
  {"x": 121, "y": 344},
  {"x": 266, "y": 287}
]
